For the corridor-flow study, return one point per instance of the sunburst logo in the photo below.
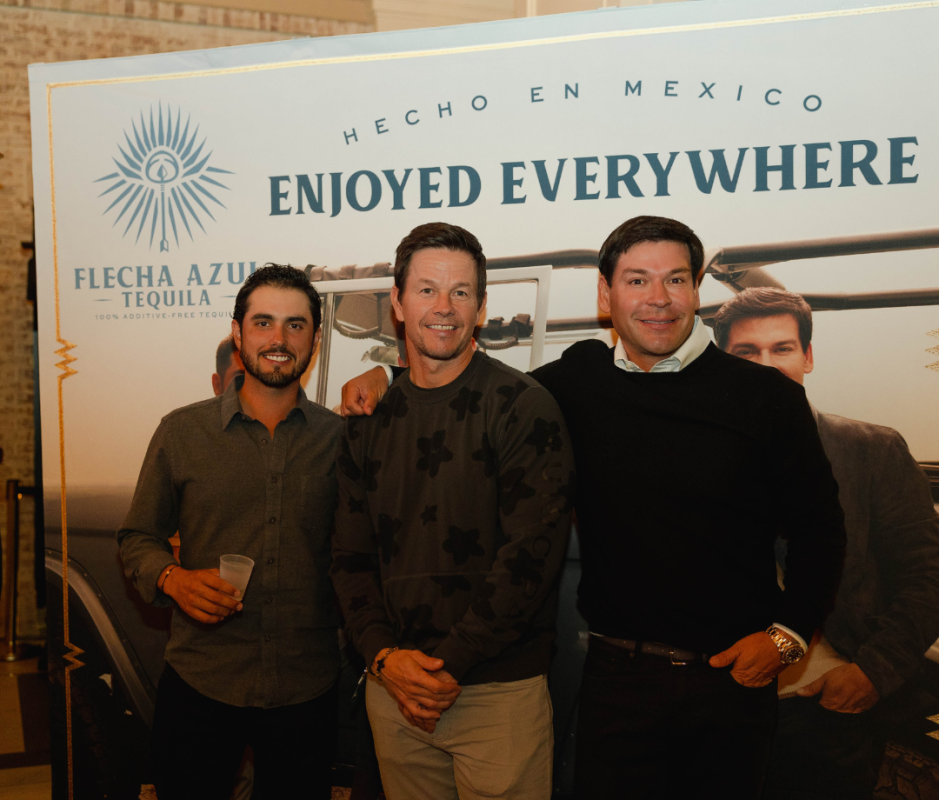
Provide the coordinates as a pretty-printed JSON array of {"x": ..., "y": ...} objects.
[{"x": 164, "y": 181}]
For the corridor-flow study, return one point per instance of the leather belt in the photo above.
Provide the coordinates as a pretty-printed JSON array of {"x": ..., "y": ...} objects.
[{"x": 677, "y": 656}]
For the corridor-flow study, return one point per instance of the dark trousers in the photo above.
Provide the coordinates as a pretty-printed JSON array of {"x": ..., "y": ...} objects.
[
  {"x": 198, "y": 743},
  {"x": 822, "y": 755},
  {"x": 648, "y": 728}
]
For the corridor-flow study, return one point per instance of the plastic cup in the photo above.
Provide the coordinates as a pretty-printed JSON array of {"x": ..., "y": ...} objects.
[{"x": 236, "y": 570}]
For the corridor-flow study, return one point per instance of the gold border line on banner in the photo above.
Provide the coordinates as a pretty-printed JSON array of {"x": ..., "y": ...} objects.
[
  {"x": 73, "y": 651},
  {"x": 483, "y": 48}
]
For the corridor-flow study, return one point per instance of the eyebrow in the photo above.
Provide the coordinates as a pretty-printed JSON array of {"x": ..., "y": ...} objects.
[
  {"x": 263, "y": 315},
  {"x": 429, "y": 282},
  {"x": 775, "y": 344},
  {"x": 641, "y": 271}
]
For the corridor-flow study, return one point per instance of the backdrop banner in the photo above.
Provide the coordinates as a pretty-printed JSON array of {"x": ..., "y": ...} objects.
[{"x": 797, "y": 139}]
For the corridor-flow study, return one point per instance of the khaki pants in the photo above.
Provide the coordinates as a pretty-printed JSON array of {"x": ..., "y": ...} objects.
[{"x": 496, "y": 740}]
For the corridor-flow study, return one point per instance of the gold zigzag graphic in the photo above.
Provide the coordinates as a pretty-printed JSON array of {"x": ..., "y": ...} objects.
[
  {"x": 72, "y": 657},
  {"x": 74, "y": 663},
  {"x": 67, "y": 359},
  {"x": 935, "y": 368},
  {"x": 935, "y": 719}
]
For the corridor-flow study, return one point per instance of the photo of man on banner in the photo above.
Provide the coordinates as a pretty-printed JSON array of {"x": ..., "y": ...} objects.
[{"x": 886, "y": 615}]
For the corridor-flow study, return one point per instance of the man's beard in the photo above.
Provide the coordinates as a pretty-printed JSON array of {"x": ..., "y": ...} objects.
[{"x": 276, "y": 378}]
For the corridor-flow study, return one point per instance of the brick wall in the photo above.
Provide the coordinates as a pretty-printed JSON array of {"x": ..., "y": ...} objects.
[{"x": 34, "y": 31}]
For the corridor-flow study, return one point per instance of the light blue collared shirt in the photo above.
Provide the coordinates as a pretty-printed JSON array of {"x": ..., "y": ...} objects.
[{"x": 691, "y": 348}]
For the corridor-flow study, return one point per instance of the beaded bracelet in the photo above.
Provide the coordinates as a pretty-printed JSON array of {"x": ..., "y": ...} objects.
[{"x": 380, "y": 664}]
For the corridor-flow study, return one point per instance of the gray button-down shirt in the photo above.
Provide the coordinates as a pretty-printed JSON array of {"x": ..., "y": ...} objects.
[{"x": 216, "y": 475}]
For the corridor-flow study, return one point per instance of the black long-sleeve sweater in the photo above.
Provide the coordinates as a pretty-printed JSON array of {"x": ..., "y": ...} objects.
[
  {"x": 453, "y": 517},
  {"x": 684, "y": 481}
]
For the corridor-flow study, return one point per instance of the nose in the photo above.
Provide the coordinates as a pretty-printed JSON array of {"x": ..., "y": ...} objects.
[
  {"x": 765, "y": 358},
  {"x": 277, "y": 334},
  {"x": 443, "y": 305},
  {"x": 658, "y": 295}
]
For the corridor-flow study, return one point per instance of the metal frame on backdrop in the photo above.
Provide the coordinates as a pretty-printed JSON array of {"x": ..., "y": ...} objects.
[{"x": 331, "y": 290}]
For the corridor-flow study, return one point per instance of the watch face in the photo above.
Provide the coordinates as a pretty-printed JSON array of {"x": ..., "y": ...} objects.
[{"x": 793, "y": 654}]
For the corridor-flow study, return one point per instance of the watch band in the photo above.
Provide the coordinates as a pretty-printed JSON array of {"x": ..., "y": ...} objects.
[{"x": 789, "y": 651}]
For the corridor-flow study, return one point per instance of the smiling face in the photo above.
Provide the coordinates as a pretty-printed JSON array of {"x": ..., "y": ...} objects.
[
  {"x": 438, "y": 305},
  {"x": 276, "y": 338},
  {"x": 652, "y": 299},
  {"x": 772, "y": 341}
]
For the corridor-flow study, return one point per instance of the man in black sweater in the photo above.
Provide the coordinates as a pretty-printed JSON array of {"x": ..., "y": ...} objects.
[
  {"x": 689, "y": 464},
  {"x": 454, "y": 510}
]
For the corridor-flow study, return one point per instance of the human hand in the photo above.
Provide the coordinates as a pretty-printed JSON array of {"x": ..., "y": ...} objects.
[
  {"x": 362, "y": 393},
  {"x": 420, "y": 686},
  {"x": 426, "y": 725},
  {"x": 202, "y": 594},
  {"x": 845, "y": 689},
  {"x": 755, "y": 658}
]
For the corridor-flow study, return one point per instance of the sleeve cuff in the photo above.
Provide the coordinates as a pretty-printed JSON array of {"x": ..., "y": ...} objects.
[
  {"x": 375, "y": 639},
  {"x": 879, "y": 671},
  {"x": 792, "y": 635},
  {"x": 388, "y": 373},
  {"x": 458, "y": 657},
  {"x": 148, "y": 573}
]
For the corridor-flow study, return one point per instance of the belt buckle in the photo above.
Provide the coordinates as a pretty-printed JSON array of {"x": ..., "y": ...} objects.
[{"x": 676, "y": 662}]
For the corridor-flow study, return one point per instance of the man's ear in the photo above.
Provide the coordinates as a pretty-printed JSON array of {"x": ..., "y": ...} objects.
[
  {"x": 236, "y": 333},
  {"x": 480, "y": 317},
  {"x": 316, "y": 338},
  {"x": 396, "y": 303},
  {"x": 809, "y": 360},
  {"x": 603, "y": 295},
  {"x": 216, "y": 383}
]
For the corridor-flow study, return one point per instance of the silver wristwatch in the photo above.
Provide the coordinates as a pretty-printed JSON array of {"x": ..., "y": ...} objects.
[{"x": 789, "y": 651}]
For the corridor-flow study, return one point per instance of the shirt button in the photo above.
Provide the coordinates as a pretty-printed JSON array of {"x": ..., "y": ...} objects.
[
  {"x": 263, "y": 441},
  {"x": 268, "y": 600},
  {"x": 270, "y": 561},
  {"x": 272, "y": 520}
]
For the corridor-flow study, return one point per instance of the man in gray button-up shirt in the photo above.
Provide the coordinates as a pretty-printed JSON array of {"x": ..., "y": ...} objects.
[{"x": 251, "y": 473}]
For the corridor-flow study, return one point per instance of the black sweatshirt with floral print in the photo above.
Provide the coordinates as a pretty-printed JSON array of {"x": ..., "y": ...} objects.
[{"x": 453, "y": 518}]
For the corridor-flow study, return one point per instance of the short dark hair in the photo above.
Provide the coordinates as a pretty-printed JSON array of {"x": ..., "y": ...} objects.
[
  {"x": 649, "y": 229},
  {"x": 447, "y": 237},
  {"x": 763, "y": 302},
  {"x": 223, "y": 355},
  {"x": 280, "y": 277}
]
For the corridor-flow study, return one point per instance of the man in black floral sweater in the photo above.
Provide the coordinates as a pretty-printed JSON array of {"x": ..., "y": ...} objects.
[{"x": 455, "y": 499}]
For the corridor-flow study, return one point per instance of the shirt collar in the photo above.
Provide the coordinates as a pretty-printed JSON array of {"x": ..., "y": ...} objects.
[
  {"x": 231, "y": 402},
  {"x": 696, "y": 343}
]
